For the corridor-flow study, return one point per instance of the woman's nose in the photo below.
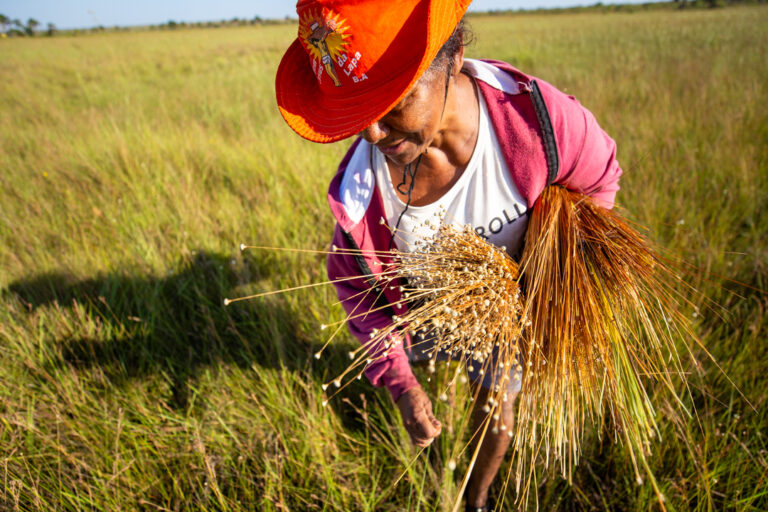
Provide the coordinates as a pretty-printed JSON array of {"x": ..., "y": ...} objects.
[{"x": 375, "y": 132}]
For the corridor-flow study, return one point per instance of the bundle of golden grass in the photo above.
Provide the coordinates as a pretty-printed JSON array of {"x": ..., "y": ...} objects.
[
  {"x": 598, "y": 317},
  {"x": 604, "y": 317},
  {"x": 464, "y": 299}
]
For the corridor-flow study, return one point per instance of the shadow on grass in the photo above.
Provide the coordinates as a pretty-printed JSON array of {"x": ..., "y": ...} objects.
[{"x": 175, "y": 326}]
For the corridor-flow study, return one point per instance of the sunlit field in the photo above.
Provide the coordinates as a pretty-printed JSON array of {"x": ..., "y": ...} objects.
[{"x": 134, "y": 164}]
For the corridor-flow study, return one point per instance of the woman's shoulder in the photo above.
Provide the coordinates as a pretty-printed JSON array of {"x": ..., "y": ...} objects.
[
  {"x": 355, "y": 169},
  {"x": 498, "y": 75}
]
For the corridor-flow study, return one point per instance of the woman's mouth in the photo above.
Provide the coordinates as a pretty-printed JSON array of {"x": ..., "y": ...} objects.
[{"x": 392, "y": 149}]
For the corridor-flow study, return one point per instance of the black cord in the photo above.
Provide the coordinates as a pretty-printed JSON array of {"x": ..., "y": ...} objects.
[{"x": 407, "y": 171}]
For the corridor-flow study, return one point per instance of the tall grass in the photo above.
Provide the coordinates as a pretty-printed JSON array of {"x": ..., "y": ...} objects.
[{"x": 133, "y": 166}]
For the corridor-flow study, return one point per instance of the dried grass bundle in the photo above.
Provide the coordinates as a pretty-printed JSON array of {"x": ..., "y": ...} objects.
[
  {"x": 596, "y": 317},
  {"x": 604, "y": 318},
  {"x": 464, "y": 298},
  {"x": 466, "y": 294}
]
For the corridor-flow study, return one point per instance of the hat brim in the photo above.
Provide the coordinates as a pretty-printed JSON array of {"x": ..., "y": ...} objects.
[{"x": 322, "y": 118}]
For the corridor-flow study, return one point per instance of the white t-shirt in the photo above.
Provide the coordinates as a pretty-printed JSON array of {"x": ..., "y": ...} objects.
[{"x": 484, "y": 197}]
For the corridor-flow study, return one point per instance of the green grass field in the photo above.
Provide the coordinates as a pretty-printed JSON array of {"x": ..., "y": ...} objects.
[{"x": 135, "y": 163}]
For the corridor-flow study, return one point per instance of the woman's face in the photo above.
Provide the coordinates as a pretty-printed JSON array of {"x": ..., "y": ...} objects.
[{"x": 407, "y": 130}]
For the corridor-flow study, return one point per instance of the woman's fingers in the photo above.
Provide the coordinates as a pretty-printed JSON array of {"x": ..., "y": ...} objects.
[
  {"x": 425, "y": 431},
  {"x": 416, "y": 410}
]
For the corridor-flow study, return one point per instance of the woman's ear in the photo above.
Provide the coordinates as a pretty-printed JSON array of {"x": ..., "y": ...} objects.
[{"x": 458, "y": 62}]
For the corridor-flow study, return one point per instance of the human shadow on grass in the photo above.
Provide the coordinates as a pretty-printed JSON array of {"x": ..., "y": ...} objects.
[{"x": 135, "y": 325}]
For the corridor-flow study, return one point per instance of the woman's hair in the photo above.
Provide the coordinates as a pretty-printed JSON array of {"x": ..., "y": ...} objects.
[{"x": 461, "y": 37}]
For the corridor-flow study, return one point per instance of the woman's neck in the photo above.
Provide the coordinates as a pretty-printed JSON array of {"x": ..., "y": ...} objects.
[{"x": 457, "y": 136}]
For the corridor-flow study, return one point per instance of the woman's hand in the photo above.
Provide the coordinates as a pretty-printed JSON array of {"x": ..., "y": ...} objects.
[{"x": 416, "y": 411}]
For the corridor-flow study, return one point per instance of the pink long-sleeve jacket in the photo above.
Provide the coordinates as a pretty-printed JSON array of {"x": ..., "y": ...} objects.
[{"x": 546, "y": 137}]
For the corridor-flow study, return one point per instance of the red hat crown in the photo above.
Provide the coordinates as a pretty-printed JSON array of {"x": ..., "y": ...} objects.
[{"x": 354, "y": 60}]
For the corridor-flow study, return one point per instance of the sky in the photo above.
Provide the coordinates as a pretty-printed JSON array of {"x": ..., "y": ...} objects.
[{"x": 90, "y": 13}]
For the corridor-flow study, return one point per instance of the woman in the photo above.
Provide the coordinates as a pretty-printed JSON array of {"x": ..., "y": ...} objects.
[{"x": 437, "y": 132}]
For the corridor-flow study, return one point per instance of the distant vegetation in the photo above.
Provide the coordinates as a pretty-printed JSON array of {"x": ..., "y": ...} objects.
[
  {"x": 15, "y": 28},
  {"x": 619, "y": 7}
]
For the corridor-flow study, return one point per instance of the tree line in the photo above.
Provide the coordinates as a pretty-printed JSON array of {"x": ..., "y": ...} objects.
[
  {"x": 715, "y": 3},
  {"x": 15, "y": 27}
]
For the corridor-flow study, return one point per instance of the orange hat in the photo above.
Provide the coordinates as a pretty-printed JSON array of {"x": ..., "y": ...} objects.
[{"x": 354, "y": 60}]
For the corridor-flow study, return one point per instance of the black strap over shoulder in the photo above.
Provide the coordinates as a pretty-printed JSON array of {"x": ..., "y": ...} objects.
[
  {"x": 381, "y": 301},
  {"x": 366, "y": 270},
  {"x": 547, "y": 133}
]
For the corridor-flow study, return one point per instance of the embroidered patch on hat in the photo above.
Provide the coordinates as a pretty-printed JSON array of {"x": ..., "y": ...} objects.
[{"x": 325, "y": 37}]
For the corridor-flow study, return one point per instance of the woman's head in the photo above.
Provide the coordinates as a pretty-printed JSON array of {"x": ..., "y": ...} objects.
[
  {"x": 408, "y": 129},
  {"x": 354, "y": 62}
]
